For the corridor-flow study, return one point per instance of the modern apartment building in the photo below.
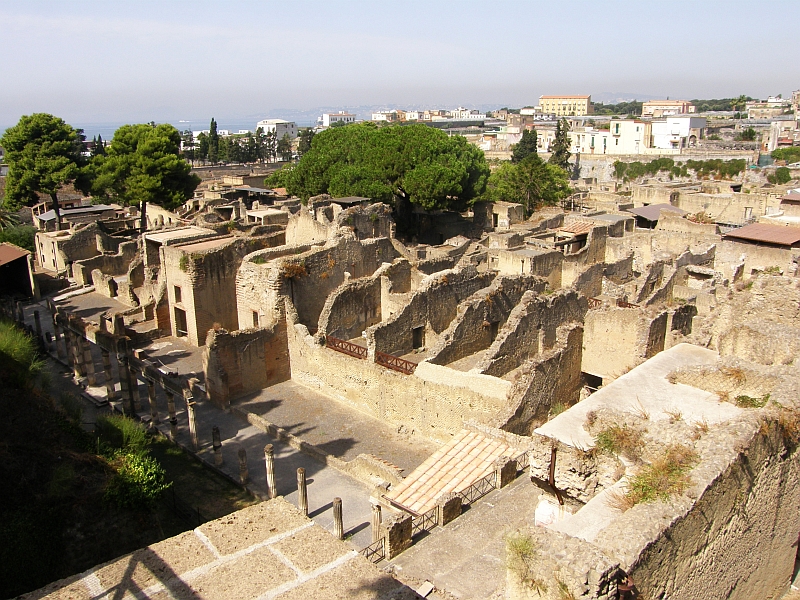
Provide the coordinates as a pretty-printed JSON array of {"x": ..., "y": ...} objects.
[
  {"x": 566, "y": 106},
  {"x": 279, "y": 126}
]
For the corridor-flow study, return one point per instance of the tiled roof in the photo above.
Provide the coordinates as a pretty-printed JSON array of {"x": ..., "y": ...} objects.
[
  {"x": 453, "y": 468},
  {"x": 577, "y": 228},
  {"x": 769, "y": 234}
]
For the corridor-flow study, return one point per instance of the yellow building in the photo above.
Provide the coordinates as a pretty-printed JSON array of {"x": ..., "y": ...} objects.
[{"x": 566, "y": 106}]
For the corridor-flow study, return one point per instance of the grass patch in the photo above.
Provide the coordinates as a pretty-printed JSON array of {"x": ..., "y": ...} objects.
[
  {"x": 751, "y": 402},
  {"x": 619, "y": 439},
  {"x": 18, "y": 351},
  {"x": 259, "y": 260},
  {"x": 521, "y": 555},
  {"x": 664, "y": 477},
  {"x": 557, "y": 409}
]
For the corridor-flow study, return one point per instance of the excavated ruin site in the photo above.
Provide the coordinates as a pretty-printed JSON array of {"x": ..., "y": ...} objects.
[{"x": 595, "y": 403}]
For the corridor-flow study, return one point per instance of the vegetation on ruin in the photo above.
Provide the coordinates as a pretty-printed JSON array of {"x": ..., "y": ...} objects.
[
  {"x": 781, "y": 176},
  {"x": 790, "y": 155},
  {"x": 744, "y": 401},
  {"x": 521, "y": 556},
  {"x": 183, "y": 263},
  {"x": 21, "y": 235},
  {"x": 19, "y": 359},
  {"x": 620, "y": 439},
  {"x": 665, "y": 476},
  {"x": 294, "y": 269},
  {"x": 716, "y": 168},
  {"x": 397, "y": 165},
  {"x": 259, "y": 259},
  {"x": 531, "y": 182},
  {"x": 748, "y": 135},
  {"x": 622, "y": 108}
]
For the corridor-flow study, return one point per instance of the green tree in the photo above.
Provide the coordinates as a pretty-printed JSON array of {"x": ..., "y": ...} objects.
[
  {"x": 739, "y": 103},
  {"x": 187, "y": 145},
  {"x": 44, "y": 153},
  {"x": 404, "y": 165},
  {"x": 285, "y": 147},
  {"x": 526, "y": 146},
  {"x": 781, "y": 176},
  {"x": 790, "y": 155},
  {"x": 260, "y": 144},
  {"x": 270, "y": 146},
  {"x": 306, "y": 137},
  {"x": 530, "y": 182},
  {"x": 142, "y": 165},
  {"x": 201, "y": 151},
  {"x": 213, "y": 142},
  {"x": 560, "y": 147},
  {"x": 748, "y": 135},
  {"x": 8, "y": 217},
  {"x": 98, "y": 146}
]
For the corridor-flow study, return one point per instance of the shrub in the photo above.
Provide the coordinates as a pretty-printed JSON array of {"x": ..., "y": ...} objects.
[
  {"x": 617, "y": 439},
  {"x": 521, "y": 554},
  {"x": 666, "y": 476},
  {"x": 138, "y": 482},
  {"x": 294, "y": 269},
  {"x": 21, "y": 235}
]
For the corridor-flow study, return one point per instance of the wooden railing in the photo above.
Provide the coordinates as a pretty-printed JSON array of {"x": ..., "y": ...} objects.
[
  {"x": 345, "y": 347},
  {"x": 623, "y": 304},
  {"x": 595, "y": 303},
  {"x": 395, "y": 363}
]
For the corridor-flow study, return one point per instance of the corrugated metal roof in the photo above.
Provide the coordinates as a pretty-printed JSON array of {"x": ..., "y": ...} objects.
[
  {"x": 10, "y": 252},
  {"x": 452, "y": 468},
  {"x": 768, "y": 234},
  {"x": 653, "y": 212}
]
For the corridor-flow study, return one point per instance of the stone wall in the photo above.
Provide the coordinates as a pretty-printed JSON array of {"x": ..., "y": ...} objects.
[
  {"x": 236, "y": 363},
  {"x": 108, "y": 264},
  {"x": 432, "y": 402},
  {"x": 531, "y": 329},
  {"x": 671, "y": 221},
  {"x": 352, "y": 308},
  {"x": 647, "y": 247},
  {"x": 480, "y": 317},
  {"x": 756, "y": 257},
  {"x": 552, "y": 378},
  {"x": 729, "y": 207},
  {"x": 432, "y": 307},
  {"x": 303, "y": 228},
  {"x": 592, "y": 253},
  {"x": 589, "y": 282}
]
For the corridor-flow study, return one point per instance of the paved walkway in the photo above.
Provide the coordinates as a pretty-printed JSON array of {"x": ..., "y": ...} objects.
[
  {"x": 335, "y": 427},
  {"x": 466, "y": 557}
]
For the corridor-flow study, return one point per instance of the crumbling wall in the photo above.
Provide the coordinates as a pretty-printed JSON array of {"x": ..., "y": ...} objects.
[
  {"x": 433, "y": 307},
  {"x": 589, "y": 282},
  {"x": 762, "y": 342},
  {"x": 550, "y": 379},
  {"x": 107, "y": 264},
  {"x": 531, "y": 329},
  {"x": 592, "y": 253},
  {"x": 366, "y": 222},
  {"x": 756, "y": 258},
  {"x": 480, "y": 317},
  {"x": 236, "y": 363},
  {"x": 303, "y": 228},
  {"x": 619, "y": 271},
  {"x": 352, "y": 308}
]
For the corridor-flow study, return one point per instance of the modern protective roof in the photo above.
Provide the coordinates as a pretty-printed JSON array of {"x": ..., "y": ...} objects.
[
  {"x": 653, "y": 212},
  {"x": 66, "y": 212},
  {"x": 350, "y": 200},
  {"x": 254, "y": 190},
  {"x": 10, "y": 252},
  {"x": 767, "y": 234},
  {"x": 451, "y": 469}
]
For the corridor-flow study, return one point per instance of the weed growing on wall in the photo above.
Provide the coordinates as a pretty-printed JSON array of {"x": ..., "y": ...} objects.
[
  {"x": 665, "y": 476},
  {"x": 620, "y": 439},
  {"x": 521, "y": 555},
  {"x": 294, "y": 269}
]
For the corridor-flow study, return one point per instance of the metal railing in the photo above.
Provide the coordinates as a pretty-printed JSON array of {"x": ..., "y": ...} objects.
[
  {"x": 479, "y": 489},
  {"x": 376, "y": 551},
  {"x": 345, "y": 347},
  {"x": 523, "y": 461},
  {"x": 395, "y": 363},
  {"x": 424, "y": 522}
]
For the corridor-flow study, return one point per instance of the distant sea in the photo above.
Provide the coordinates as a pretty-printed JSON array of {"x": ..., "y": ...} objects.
[{"x": 107, "y": 130}]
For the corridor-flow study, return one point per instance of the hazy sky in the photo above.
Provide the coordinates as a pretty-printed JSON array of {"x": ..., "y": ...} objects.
[{"x": 98, "y": 61}]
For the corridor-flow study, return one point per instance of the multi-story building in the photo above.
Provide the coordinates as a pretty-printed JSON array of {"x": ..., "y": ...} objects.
[
  {"x": 385, "y": 115},
  {"x": 566, "y": 106},
  {"x": 465, "y": 114},
  {"x": 677, "y": 132},
  {"x": 329, "y": 119},
  {"x": 279, "y": 127},
  {"x": 772, "y": 107},
  {"x": 666, "y": 108}
]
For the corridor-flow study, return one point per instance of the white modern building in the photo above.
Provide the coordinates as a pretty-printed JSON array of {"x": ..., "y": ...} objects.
[
  {"x": 677, "y": 132},
  {"x": 329, "y": 119},
  {"x": 279, "y": 127}
]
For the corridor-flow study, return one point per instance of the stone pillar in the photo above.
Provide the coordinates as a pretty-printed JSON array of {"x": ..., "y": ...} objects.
[
  {"x": 269, "y": 460},
  {"x": 38, "y": 323},
  {"x": 302, "y": 492},
  {"x": 111, "y": 392},
  {"x": 216, "y": 444},
  {"x": 151, "y": 397},
  {"x": 396, "y": 530},
  {"x": 376, "y": 522},
  {"x": 77, "y": 356},
  {"x": 244, "y": 475},
  {"x": 448, "y": 507},
  {"x": 505, "y": 471},
  {"x": 60, "y": 351},
  {"x": 338, "y": 525},
  {"x": 173, "y": 418},
  {"x": 88, "y": 361},
  {"x": 20, "y": 312},
  {"x": 135, "y": 398},
  {"x": 125, "y": 385},
  {"x": 190, "y": 408}
]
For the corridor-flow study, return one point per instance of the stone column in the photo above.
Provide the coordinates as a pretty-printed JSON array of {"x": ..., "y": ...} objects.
[
  {"x": 244, "y": 475},
  {"x": 338, "y": 525},
  {"x": 20, "y": 312},
  {"x": 77, "y": 356},
  {"x": 111, "y": 392},
  {"x": 125, "y": 385},
  {"x": 376, "y": 522},
  {"x": 269, "y": 460},
  {"x": 216, "y": 444},
  {"x": 173, "y": 418},
  {"x": 302, "y": 493},
  {"x": 505, "y": 470},
  {"x": 60, "y": 351},
  {"x": 190, "y": 408},
  {"x": 151, "y": 397},
  {"x": 88, "y": 361},
  {"x": 135, "y": 398},
  {"x": 38, "y": 323}
]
